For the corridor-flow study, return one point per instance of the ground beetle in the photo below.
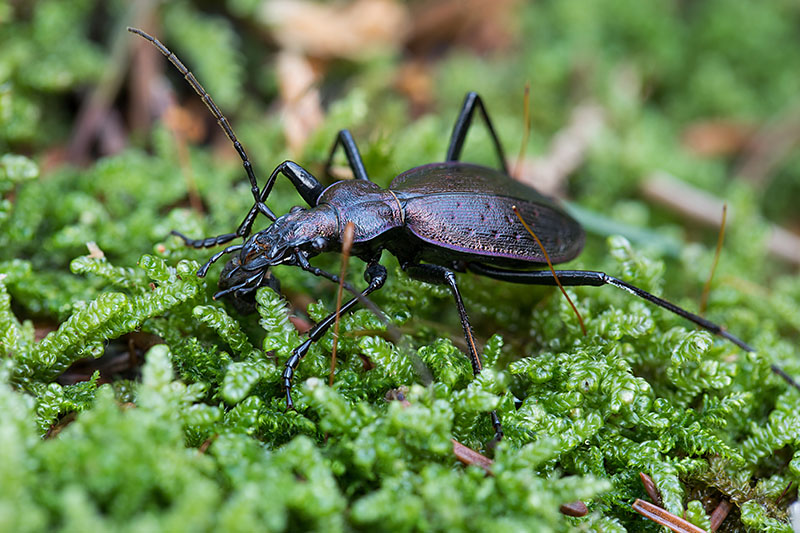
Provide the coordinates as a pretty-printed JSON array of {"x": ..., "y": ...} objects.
[{"x": 436, "y": 219}]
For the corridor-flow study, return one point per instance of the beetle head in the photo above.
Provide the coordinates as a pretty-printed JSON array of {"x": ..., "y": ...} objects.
[
  {"x": 300, "y": 231},
  {"x": 239, "y": 286},
  {"x": 290, "y": 240}
]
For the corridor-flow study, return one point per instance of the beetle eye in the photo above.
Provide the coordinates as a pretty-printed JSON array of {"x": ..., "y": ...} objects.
[{"x": 319, "y": 244}]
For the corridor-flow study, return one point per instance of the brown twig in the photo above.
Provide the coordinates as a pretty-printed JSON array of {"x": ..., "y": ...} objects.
[
  {"x": 665, "y": 518},
  {"x": 576, "y": 508},
  {"x": 207, "y": 443},
  {"x": 550, "y": 264},
  {"x": 468, "y": 456},
  {"x": 717, "y": 252},
  {"x": 347, "y": 244},
  {"x": 701, "y": 207},
  {"x": 651, "y": 489},
  {"x": 719, "y": 514},
  {"x": 785, "y": 491},
  {"x": 526, "y": 130}
]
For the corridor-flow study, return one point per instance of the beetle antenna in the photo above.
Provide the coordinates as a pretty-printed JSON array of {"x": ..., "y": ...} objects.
[
  {"x": 720, "y": 239},
  {"x": 209, "y": 102},
  {"x": 550, "y": 264}
]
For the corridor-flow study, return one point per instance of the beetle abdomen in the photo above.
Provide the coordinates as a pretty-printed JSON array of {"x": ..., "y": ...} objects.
[{"x": 485, "y": 225}]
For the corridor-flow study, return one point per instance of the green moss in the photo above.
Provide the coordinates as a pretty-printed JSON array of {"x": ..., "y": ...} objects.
[{"x": 198, "y": 437}]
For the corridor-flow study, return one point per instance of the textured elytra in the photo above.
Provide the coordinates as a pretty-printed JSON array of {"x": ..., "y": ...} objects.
[{"x": 469, "y": 209}]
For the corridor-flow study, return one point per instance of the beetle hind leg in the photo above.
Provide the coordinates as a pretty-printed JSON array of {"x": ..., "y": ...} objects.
[
  {"x": 591, "y": 278},
  {"x": 439, "y": 275},
  {"x": 471, "y": 102},
  {"x": 345, "y": 139},
  {"x": 583, "y": 278}
]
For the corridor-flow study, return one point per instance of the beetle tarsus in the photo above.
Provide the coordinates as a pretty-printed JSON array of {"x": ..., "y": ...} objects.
[
  {"x": 287, "y": 387},
  {"x": 498, "y": 431}
]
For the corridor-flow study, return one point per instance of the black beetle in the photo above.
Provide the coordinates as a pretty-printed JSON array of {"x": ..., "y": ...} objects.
[{"x": 436, "y": 219}]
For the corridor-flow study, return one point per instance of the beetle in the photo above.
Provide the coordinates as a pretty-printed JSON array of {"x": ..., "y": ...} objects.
[{"x": 437, "y": 219}]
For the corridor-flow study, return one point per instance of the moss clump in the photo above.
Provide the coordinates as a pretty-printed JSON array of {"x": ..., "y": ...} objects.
[{"x": 134, "y": 401}]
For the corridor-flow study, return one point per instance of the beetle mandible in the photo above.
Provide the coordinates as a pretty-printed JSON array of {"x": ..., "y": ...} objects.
[{"x": 437, "y": 219}]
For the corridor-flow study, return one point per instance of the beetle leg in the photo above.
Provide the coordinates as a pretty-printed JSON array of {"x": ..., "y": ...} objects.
[
  {"x": 345, "y": 139},
  {"x": 302, "y": 262},
  {"x": 596, "y": 279},
  {"x": 439, "y": 275},
  {"x": 208, "y": 243},
  {"x": 463, "y": 123},
  {"x": 204, "y": 269},
  {"x": 240, "y": 289},
  {"x": 304, "y": 182},
  {"x": 377, "y": 277}
]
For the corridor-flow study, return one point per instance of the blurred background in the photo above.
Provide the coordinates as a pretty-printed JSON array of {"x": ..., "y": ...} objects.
[{"x": 629, "y": 101}]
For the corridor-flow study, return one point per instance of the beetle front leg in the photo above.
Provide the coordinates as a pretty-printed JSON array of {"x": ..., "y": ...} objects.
[
  {"x": 209, "y": 242},
  {"x": 376, "y": 273},
  {"x": 303, "y": 181},
  {"x": 439, "y": 275},
  {"x": 302, "y": 262}
]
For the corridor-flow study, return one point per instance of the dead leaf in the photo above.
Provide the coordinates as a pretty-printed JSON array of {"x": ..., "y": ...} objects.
[
  {"x": 566, "y": 153},
  {"x": 711, "y": 138},
  {"x": 479, "y": 25},
  {"x": 302, "y": 106},
  {"x": 353, "y": 30}
]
